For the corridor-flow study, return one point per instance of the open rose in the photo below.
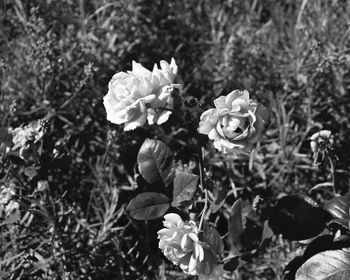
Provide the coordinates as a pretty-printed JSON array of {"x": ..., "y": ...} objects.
[
  {"x": 180, "y": 243},
  {"x": 236, "y": 123},
  {"x": 140, "y": 95}
]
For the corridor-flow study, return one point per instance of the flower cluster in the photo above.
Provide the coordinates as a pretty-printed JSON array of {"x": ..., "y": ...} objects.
[
  {"x": 26, "y": 138},
  {"x": 235, "y": 124},
  {"x": 140, "y": 95},
  {"x": 7, "y": 204},
  {"x": 180, "y": 243}
]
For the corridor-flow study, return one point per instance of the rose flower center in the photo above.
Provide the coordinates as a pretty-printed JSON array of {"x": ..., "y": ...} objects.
[{"x": 232, "y": 126}]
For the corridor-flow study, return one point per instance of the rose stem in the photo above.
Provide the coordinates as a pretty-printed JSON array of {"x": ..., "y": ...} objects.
[
  {"x": 201, "y": 174},
  {"x": 333, "y": 175}
]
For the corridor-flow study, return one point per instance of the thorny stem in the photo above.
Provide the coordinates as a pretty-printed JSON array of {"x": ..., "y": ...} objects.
[{"x": 204, "y": 209}]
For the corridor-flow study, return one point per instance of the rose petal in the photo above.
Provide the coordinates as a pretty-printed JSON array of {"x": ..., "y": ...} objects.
[
  {"x": 186, "y": 243},
  {"x": 193, "y": 236},
  {"x": 137, "y": 121},
  {"x": 163, "y": 117},
  {"x": 165, "y": 232},
  {"x": 220, "y": 102},
  {"x": 236, "y": 100},
  {"x": 172, "y": 220},
  {"x": 205, "y": 127},
  {"x": 213, "y": 135},
  {"x": 173, "y": 66},
  {"x": 192, "y": 265},
  {"x": 199, "y": 252},
  {"x": 140, "y": 72}
]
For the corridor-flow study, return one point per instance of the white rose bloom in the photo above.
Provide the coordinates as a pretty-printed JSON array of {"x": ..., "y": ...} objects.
[
  {"x": 140, "y": 95},
  {"x": 180, "y": 243}
]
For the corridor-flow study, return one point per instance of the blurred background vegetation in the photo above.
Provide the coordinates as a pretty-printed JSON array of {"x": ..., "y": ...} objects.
[{"x": 56, "y": 60}]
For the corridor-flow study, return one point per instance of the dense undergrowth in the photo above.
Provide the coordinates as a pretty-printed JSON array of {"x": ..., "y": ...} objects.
[{"x": 57, "y": 58}]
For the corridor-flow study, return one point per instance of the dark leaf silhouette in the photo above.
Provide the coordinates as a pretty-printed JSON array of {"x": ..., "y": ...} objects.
[
  {"x": 148, "y": 206},
  {"x": 296, "y": 219}
]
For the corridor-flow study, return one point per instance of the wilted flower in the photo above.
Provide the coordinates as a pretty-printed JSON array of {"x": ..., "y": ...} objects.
[
  {"x": 140, "y": 95},
  {"x": 7, "y": 205},
  {"x": 321, "y": 145},
  {"x": 27, "y": 137},
  {"x": 180, "y": 243},
  {"x": 236, "y": 123},
  {"x": 42, "y": 185}
]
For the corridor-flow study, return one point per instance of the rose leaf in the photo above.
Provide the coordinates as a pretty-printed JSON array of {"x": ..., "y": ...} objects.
[
  {"x": 155, "y": 162},
  {"x": 185, "y": 187},
  {"x": 148, "y": 206},
  {"x": 219, "y": 199},
  {"x": 339, "y": 207},
  {"x": 328, "y": 265},
  {"x": 235, "y": 224},
  {"x": 213, "y": 238}
]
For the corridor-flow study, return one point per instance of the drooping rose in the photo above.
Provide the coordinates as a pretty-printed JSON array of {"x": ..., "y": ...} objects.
[
  {"x": 235, "y": 124},
  {"x": 140, "y": 95},
  {"x": 321, "y": 145},
  {"x": 320, "y": 139},
  {"x": 180, "y": 243}
]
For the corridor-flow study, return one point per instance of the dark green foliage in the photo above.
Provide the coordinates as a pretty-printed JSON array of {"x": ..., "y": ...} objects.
[{"x": 296, "y": 219}]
